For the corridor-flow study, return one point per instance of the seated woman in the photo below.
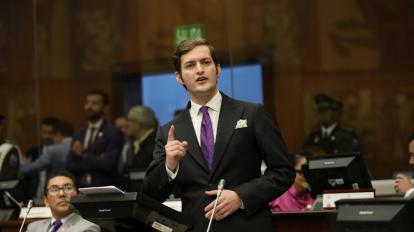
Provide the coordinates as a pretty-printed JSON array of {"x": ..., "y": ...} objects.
[{"x": 298, "y": 197}]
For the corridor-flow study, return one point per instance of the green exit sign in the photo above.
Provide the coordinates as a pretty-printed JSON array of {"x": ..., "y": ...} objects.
[{"x": 188, "y": 31}]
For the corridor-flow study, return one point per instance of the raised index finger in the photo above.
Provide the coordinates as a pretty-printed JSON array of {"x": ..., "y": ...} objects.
[{"x": 171, "y": 134}]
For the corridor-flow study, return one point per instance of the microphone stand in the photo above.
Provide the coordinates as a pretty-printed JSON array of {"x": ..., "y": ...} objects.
[
  {"x": 29, "y": 207},
  {"x": 220, "y": 189}
]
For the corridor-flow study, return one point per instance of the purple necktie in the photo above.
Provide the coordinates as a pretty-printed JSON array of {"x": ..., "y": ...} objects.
[
  {"x": 207, "y": 137},
  {"x": 56, "y": 225}
]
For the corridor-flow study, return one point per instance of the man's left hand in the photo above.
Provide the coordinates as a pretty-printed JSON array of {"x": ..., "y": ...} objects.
[{"x": 228, "y": 203}]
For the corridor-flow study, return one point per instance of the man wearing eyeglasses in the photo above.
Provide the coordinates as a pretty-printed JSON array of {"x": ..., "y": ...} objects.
[{"x": 59, "y": 189}]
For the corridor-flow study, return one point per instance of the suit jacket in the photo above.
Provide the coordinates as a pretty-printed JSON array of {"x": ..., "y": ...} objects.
[
  {"x": 342, "y": 140},
  {"x": 75, "y": 223},
  {"x": 143, "y": 158},
  {"x": 100, "y": 158},
  {"x": 238, "y": 154},
  {"x": 53, "y": 159}
]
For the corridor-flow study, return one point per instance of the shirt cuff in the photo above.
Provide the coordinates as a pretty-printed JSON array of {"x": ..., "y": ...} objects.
[
  {"x": 409, "y": 193},
  {"x": 171, "y": 175}
]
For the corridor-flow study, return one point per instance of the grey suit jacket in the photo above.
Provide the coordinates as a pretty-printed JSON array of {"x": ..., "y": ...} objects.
[
  {"x": 75, "y": 223},
  {"x": 53, "y": 158}
]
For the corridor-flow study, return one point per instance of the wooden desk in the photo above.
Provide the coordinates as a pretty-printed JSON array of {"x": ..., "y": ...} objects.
[
  {"x": 13, "y": 226},
  {"x": 321, "y": 221}
]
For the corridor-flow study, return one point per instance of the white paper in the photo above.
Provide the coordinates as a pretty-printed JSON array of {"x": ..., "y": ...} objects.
[
  {"x": 101, "y": 190},
  {"x": 36, "y": 212},
  {"x": 330, "y": 198},
  {"x": 384, "y": 187},
  {"x": 173, "y": 204}
]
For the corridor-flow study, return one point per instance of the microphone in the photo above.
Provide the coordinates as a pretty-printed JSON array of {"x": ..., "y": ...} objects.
[
  {"x": 29, "y": 207},
  {"x": 220, "y": 188}
]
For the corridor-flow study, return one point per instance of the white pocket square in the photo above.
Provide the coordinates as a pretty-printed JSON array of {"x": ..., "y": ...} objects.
[{"x": 242, "y": 123}]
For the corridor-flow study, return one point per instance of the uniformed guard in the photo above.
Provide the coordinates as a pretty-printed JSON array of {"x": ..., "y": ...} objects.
[
  {"x": 331, "y": 137},
  {"x": 9, "y": 155}
]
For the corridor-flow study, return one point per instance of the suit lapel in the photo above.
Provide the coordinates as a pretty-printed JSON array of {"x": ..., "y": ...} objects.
[
  {"x": 101, "y": 131},
  {"x": 47, "y": 223},
  {"x": 230, "y": 113},
  {"x": 184, "y": 129},
  {"x": 71, "y": 221}
]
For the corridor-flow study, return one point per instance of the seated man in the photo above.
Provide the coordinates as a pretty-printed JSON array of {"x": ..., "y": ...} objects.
[
  {"x": 59, "y": 189},
  {"x": 137, "y": 153},
  {"x": 298, "y": 197},
  {"x": 403, "y": 184},
  {"x": 141, "y": 129}
]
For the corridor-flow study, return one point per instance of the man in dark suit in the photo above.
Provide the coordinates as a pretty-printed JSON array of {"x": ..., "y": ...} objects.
[
  {"x": 137, "y": 153},
  {"x": 140, "y": 129},
  {"x": 218, "y": 138},
  {"x": 331, "y": 137},
  {"x": 96, "y": 149}
]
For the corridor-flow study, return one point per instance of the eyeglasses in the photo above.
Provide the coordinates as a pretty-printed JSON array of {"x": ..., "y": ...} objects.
[
  {"x": 54, "y": 189},
  {"x": 298, "y": 171}
]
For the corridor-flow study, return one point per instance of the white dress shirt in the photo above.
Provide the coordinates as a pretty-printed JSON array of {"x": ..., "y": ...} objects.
[
  {"x": 409, "y": 193},
  {"x": 88, "y": 135},
  {"x": 214, "y": 106},
  {"x": 327, "y": 131}
]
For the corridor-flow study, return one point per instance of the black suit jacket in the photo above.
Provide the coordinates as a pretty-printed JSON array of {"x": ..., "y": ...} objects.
[
  {"x": 237, "y": 159},
  {"x": 342, "y": 140},
  {"x": 143, "y": 158},
  {"x": 100, "y": 158}
]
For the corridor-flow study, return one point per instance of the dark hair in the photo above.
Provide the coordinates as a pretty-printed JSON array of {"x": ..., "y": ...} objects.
[
  {"x": 186, "y": 46},
  {"x": 63, "y": 127},
  {"x": 105, "y": 97},
  {"x": 1, "y": 119},
  {"x": 50, "y": 121},
  {"x": 60, "y": 173},
  {"x": 411, "y": 138}
]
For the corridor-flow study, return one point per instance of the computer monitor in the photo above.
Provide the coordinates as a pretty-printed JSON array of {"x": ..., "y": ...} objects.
[
  {"x": 130, "y": 210},
  {"x": 375, "y": 215},
  {"x": 336, "y": 172},
  {"x": 136, "y": 179},
  {"x": 11, "y": 194}
]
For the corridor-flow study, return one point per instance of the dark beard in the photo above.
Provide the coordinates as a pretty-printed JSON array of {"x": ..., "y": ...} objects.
[{"x": 94, "y": 117}]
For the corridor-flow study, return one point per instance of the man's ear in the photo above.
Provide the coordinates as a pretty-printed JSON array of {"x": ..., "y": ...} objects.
[
  {"x": 218, "y": 71},
  {"x": 46, "y": 201},
  {"x": 179, "y": 78}
]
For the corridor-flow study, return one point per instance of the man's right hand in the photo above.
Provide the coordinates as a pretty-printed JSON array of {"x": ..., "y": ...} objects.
[
  {"x": 174, "y": 150},
  {"x": 77, "y": 148},
  {"x": 402, "y": 184}
]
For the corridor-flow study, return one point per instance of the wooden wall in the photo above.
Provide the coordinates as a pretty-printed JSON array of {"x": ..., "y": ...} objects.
[{"x": 357, "y": 51}]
